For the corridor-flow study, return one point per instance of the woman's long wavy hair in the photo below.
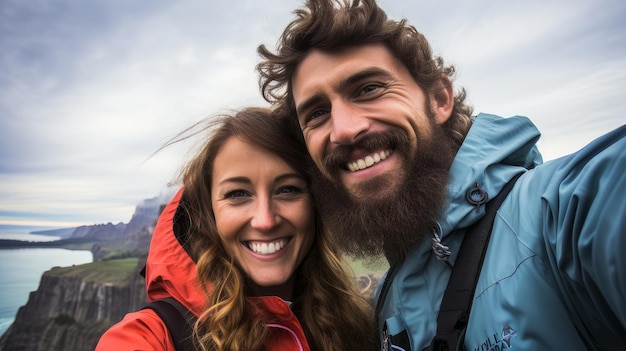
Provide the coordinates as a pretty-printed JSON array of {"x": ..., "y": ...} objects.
[
  {"x": 324, "y": 26},
  {"x": 334, "y": 315}
]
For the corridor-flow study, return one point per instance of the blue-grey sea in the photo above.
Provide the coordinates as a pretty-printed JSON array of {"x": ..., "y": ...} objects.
[{"x": 21, "y": 269}]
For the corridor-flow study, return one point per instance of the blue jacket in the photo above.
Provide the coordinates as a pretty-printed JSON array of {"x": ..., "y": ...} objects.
[{"x": 554, "y": 276}]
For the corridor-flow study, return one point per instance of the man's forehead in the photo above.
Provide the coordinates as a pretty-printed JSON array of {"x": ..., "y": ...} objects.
[
  {"x": 366, "y": 52},
  {"x": 331, "y": 68}
]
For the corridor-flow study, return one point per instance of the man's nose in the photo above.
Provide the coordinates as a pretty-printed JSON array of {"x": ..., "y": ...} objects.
[
  {"x": 265, "y": 217},
  {"x": 347, "y": 123}
]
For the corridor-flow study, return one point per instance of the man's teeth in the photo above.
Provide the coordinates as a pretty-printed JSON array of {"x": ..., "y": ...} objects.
[
  {"x": 267, "y": 248},
  {"x": 368, "y": 161}
]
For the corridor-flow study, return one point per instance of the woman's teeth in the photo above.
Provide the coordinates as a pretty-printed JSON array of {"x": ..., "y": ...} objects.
[
  {"x": 368, "y": 161},
  {"x": 264, "y": 248}
]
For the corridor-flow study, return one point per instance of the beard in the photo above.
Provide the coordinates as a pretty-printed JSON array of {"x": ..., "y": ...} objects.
[{"x": 391, "y": 223}]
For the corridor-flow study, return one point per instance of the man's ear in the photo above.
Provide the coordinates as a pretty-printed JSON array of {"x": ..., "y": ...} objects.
[{"x": 442, "y": 101}]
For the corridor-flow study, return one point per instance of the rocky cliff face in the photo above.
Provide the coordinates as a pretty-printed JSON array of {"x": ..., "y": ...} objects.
[
  {"x": 69, "y": 312},
  {"x": 73, "y": 306}
]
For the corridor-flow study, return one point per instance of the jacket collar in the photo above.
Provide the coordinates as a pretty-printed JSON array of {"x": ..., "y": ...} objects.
[{"x": 494, "y": 150}]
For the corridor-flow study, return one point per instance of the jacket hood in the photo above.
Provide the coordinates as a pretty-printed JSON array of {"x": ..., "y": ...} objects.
[
  {"x": 170, "y": 271},
  {"x": 494, "y": 150}
]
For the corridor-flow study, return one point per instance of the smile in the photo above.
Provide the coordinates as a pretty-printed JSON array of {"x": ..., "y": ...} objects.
[
  {"x": 368, "y": 161},
  {"x": 266, "y": 248}
]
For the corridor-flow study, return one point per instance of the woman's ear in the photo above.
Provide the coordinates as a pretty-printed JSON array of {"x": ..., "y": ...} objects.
[{"x": 442, "y": 99}]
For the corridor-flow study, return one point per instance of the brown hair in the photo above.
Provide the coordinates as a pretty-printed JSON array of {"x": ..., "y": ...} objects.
[
  {"x": 324, "y": 26},
  {"x": 334, "y": 315}
]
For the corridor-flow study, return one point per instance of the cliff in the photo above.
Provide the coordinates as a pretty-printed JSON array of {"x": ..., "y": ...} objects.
[
  {"x": 73, "y": 306},
  {"x": 130, "y": 245}
]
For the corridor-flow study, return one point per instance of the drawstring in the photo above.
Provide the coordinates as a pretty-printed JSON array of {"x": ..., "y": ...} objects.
[
  {"x": 442, "y": 252},
  {"x": 290, "y": 331},
  {"x": 475, "y": 196}
]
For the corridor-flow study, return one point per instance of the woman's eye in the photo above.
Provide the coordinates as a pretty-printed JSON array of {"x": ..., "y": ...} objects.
[
  {"x": 287, "y": 190},
  {"x": 290, "y": 190},
  {"x": 235, "y": 194}
]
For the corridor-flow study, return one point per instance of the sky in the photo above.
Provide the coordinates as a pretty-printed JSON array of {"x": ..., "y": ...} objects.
[{"x": 89, "y": 90}]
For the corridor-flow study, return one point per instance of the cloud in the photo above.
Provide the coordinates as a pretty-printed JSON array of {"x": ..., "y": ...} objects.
[
  {"x": 560, "y": 63},
  {"x": 89, "y": 90}
]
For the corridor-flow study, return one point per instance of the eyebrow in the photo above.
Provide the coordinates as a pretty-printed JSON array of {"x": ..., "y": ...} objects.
[
  {"x": 368, "y": 73},
  {"x": 246, "y": 180},
  {"x": 242, "y": 180}
]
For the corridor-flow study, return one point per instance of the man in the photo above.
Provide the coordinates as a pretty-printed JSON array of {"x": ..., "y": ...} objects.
[{"x": 400, "y": 161}]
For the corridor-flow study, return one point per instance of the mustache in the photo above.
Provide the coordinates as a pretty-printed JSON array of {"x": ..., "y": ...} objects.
[
  {"x": 395, "y": 224},
  {"x": 337, "y": 157}
]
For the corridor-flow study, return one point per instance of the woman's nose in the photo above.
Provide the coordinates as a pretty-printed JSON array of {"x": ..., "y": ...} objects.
[{"x": 265, "y": 217}]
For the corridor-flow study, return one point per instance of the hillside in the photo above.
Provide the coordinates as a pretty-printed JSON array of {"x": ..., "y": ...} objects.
[{"x": 73, "y": 306}]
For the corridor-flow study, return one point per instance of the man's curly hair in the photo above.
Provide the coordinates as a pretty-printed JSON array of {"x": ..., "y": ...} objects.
[{"x": 331, "y": 25}]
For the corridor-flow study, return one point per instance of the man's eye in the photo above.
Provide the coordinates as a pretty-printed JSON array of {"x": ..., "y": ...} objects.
[
  {"x": 317, "y": 114},
  {"x": 369, "y": 89},
  {"x": 314, "y": 118}
]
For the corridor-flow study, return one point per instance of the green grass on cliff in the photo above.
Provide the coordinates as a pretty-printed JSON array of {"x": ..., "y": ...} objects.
[
  {"x": 376, "y": 267},
  {"x": 118, "y": 271},
  {"x": 115, "y": 272}
]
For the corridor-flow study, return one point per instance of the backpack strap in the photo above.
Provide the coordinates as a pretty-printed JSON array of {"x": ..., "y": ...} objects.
[
  {"x": 457, "y": 299},
  {"x": 178, "y": 320}
]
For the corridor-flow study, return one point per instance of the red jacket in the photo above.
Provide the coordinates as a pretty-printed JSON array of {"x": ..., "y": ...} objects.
[{"x": 171, "y": 272}]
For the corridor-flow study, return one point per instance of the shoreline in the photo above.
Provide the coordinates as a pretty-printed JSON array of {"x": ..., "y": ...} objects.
[{"x": 70, "y": 244}]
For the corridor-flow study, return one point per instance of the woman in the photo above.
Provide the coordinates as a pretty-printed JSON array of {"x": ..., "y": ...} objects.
[{"x": 241, "y": 247}]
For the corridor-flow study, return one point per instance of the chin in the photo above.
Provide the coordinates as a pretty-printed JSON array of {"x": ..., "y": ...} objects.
[
  {"x": 275, "y": 280},
  {"x": 375, "y": 190}
]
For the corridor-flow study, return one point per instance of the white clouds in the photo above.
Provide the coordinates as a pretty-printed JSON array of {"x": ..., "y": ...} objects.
[
  {"x": 89, "y": 90},
  {"x": 560, "y": 63}
]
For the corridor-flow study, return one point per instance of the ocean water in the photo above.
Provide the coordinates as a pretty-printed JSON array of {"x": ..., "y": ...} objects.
[{"x": 21, "y": 269}]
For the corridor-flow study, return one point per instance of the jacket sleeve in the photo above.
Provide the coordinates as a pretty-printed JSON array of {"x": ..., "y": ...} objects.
[
  {"x": 585, "y": 229},
  {"x": 142, "y": 330}
]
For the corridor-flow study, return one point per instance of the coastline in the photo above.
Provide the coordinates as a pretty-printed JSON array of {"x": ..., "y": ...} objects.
[
  {"x": 70, "y": 244},
  {"x": 22, "y": 271}
]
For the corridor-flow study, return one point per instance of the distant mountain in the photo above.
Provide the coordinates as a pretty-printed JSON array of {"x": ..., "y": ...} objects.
[
  {"x": 126, "y": 240},
  {"x": 107, "y": 231},
  {"x": 145, "y": 214},
  {"x": 62, "y": 233},
  {"x": 108, "y": 240}
]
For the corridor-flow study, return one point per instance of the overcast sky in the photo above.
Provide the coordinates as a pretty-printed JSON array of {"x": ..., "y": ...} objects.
[{"x": 90, "y": 89}]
